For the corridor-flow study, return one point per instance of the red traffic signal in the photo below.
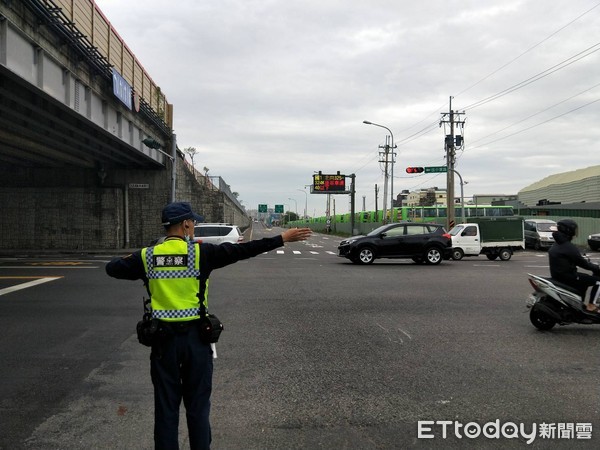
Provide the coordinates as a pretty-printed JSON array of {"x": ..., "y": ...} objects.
[{"x": 414, "y": 169}]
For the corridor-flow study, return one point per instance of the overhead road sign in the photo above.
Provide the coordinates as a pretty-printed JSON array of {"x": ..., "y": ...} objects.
[{"x": 329, "y": 184}]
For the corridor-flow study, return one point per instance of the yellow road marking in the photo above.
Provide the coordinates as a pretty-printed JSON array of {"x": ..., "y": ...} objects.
[
  {"x": 57, "y": 263},
  {"x": 28, "y": 278}
]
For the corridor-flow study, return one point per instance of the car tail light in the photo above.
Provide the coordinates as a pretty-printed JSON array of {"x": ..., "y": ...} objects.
[
  {"x": 447, "y": 236},
  {"x": 240, "y": 239}
]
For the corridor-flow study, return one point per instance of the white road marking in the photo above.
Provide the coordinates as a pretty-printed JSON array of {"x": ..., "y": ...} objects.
[
  {"x": 405, "y": 333},
  {"x": 27, "y": 284},
  {"x": 298, "y": 252}
]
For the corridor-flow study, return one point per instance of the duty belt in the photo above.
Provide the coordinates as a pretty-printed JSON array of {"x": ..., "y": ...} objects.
[{"x": 180, "y": 327}]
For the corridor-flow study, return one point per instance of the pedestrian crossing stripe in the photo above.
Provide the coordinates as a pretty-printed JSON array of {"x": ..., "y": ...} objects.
[{"x": 298, "y": 252}]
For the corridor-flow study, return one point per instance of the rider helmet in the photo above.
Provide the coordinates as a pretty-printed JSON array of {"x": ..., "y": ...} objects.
[{"x": 568, "y": 227}]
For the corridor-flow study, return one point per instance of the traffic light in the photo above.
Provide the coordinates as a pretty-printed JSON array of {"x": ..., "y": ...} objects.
[{"x": 414, "y": 169}]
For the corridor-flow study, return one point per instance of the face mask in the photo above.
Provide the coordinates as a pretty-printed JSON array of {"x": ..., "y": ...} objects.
[{"x": 187, "y": 237}]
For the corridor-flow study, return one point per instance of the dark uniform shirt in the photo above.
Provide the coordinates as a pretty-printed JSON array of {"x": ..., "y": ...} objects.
[
  {"x": 564, "y": 258},
  {"x": 212, "y": 257}
]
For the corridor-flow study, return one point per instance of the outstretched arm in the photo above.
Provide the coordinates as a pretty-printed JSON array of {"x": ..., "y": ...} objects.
[
  {"x": 217, "y": 256},
  {"x": 296, "y": 234}
]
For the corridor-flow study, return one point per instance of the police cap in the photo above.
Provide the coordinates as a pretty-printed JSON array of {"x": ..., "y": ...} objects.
[{"x": 177, "y": 212}]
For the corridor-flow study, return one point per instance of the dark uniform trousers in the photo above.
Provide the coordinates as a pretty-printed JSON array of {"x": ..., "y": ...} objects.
[
  {"x": 181, "y": 368},
  {"x": 581, "y": 282}
]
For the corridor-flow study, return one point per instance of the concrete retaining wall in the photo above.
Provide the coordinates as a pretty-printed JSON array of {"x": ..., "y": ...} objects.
[{"x": 76, "y": 209}]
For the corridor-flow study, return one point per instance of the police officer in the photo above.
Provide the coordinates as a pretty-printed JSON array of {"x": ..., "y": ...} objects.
[
  {"x": 564, "y": 258},
  {"x": 176, "y": 274}
]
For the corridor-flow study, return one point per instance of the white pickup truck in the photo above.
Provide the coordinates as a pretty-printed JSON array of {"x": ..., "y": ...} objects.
[{"x": 493, "y": 237}]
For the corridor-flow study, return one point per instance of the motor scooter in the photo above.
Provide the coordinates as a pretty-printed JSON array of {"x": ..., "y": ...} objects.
[{"x": 554, "y": 303}]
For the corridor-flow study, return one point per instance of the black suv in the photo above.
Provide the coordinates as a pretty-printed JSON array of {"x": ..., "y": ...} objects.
[{"x": 422, "y": 242}]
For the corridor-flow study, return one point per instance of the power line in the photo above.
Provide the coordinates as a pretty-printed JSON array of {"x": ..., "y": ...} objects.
[
  {"x": 407, "y": 139},
  {"x": 528, "y": 50},
  {"x": 535, "y": 114},
  {"x": 511, "y": 89},
  {"x": 565, "y": 63},
  {"x": 538, "y": 124},
  {"x": 419, "y": 133}
]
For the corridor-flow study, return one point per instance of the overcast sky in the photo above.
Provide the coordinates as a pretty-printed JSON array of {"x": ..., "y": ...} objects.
[{"x": 271, "y": 91}]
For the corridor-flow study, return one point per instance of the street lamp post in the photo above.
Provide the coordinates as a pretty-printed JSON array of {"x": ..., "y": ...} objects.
[
  {"x": 152, "y": 143},
  {"x": 305, "y": 201},
  {"x": 286, "y": 208},
  {"x": 392, "y": 174},
  {"x": 294, "y": 200},
  {"x": 462, "y": 194}
]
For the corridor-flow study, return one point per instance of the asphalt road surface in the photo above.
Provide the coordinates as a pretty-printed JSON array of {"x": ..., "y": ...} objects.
[{"x": 317, "y": 353}]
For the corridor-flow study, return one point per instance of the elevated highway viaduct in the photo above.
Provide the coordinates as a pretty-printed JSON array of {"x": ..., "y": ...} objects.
[{"x": 88, "y": 156}]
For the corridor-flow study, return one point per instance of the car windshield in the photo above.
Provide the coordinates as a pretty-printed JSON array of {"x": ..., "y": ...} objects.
[
  {"x": 456, "y": 230},
  {"x": 546, "y": 227},
  {"x": 379, "y": 230},
  {"x": 204, "y": 231}
]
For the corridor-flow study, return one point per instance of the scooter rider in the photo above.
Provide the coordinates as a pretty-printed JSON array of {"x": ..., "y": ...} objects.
[{"x": 565, "y": 257}]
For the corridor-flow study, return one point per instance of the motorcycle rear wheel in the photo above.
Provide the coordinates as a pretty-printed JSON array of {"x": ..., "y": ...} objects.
[{"x": 541, "y": 320}]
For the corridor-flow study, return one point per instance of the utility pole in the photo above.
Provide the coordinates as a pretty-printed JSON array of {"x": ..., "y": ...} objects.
[
  {"x": 376, "y": 194},
  {"x": 352, "y": 207},
  {"x": 328, "y": 213},
  {"x": 450, "y": 160},
  {"x": 393, "y": 154},
  {"x": 386, "y": 148},
  {"x": 333, "y": 217},
  {"x": 450, "y": 144}
]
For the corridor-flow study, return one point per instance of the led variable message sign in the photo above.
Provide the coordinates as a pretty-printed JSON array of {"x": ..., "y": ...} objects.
[{"x": 329, "y": 184}]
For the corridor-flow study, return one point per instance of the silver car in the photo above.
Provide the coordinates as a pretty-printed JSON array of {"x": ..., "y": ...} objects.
[
  {"x": 538, "y": 233},
  {"x": 217, "y": 233}
]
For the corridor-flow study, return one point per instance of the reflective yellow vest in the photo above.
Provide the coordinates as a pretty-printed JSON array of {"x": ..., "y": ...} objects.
[{"x": 173, "y": 271}]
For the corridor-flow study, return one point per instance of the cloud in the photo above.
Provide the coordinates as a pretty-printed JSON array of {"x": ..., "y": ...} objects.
[{"x": 271, "y": 91}]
